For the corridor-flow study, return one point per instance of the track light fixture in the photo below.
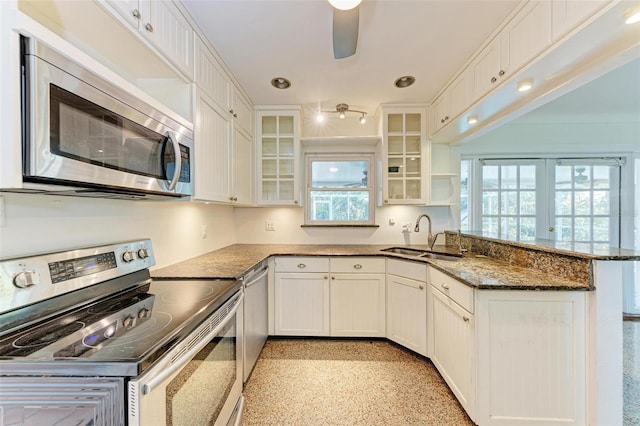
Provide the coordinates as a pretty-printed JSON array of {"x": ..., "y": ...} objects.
[{"x": 342, "y": 110}]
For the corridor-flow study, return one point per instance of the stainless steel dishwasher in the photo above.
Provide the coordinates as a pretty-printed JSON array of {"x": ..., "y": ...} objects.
[{"x": 256, "y": 327}]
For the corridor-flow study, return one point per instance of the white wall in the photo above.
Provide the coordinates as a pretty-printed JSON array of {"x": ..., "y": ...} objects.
[
  {"x": 41, "y": 223},
  {"x": 287, "y": 220}
]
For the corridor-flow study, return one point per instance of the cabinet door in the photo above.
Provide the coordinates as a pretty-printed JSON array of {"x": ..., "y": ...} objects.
[
  {"x": 357, "y": 305},
  {"x": 407, "y": 313},
  {"x": 278, "y": 151},
  {"x": 242, "y": 169},
  {"x": 242, "y": 113},
  {"x": 301, "y": 304},
  {"x": 526, "y": 35},
  {"x": 459, "y": 95},
  {"x": 212, "y": 152},
  {"x": 163, "y": 24},
  {"x": 453, "y": 346},
  {"x": 485, "y": 69},
  {"x": 404, "y": 168},
  {"x": 568, "y": 14},
  {"x": 128, "y": 9},
  {"x": 441, "y": 110},
  {"x": 210, "y": 77}
]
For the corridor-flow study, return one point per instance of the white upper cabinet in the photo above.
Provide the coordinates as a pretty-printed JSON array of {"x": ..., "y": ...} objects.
[
  {"x": 404, "y": 141},
  {"x": 242, "y": 113},
  {"x": 278, "y": 151},
  {"x": 164, "y": 26},
  {"x": 212, "y": 148},
  {"x": 243, "y": 174},
  {"x": 210, "y": 77},
  {"x": 568, "y": 14},
  {"x": 453, "y": 101},
  {"x": 525, "y": 36}
]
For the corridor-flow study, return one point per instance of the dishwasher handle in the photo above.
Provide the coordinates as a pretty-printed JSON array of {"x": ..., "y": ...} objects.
[{"x": 258, "y": 278}]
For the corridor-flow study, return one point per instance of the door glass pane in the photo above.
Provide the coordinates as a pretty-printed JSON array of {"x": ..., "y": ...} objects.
[
  {"x": 394, "y": 123},
  {"x": 601, "y": 179},
  {"x": 582, "y": 203},
  {"x": 286, "y": 147},
  {"x": 286, "y": 189},
  {"x": 527, "y": 228},
  {"x": 490, "y": 177},
  {"x": 269, "y": 125},
  {"x": 601, "y": 229},
  {"x": 582, "y": 229},
  {"x": 490, "y": 225},
  {"x": 269, "y": 147},
  {"x": 563, "y": 203},
  {"x": 601, "y": 203},
  {"x": 413, "y": 189},
  {"x": 508, "y": 177},
  {"x": 509, "y": 203},
  {"x": 413, "y": 167},
  {"x": 509, "y": 227},
  {"x": 563, "y": 177},
  {"x": 527, "y": 177},
  {"x": 490, "y": 203},
  {"x": 396, "y": 189},
  {"x": 528, "y": 203},
  {"x": 413, "y": 145},
  {"x": 286, "y": 125},
  {"x": 582, "y": 177},
  {"x": 412, "y": 122},
  {"x": 396, "y": 145}
]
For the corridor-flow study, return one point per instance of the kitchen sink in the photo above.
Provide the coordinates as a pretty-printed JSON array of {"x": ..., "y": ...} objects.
[{"x": 422, "y": 253}]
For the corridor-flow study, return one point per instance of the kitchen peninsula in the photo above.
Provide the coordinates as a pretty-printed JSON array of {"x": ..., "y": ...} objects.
[{"x": 513, "y": 312}]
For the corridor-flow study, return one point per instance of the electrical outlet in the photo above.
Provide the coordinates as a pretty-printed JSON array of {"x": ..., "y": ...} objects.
[
  {"x": 392, "y": 221},
  {"x": 269, "y": 225},
  {"x": 203, "y": 231}
]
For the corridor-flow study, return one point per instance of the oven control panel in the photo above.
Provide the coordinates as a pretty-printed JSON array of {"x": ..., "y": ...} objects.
[{"x": 28, "y": 280}]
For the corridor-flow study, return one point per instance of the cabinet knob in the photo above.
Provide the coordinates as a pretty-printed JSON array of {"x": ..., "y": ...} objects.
[
  {"x": 149, "y": 27},
  {"x": 465, "y": 318},
  {"x": 333, "y": 278},
  {"x": 421, "y": 287},
  {"x": 357, "y": 266},
  {"x": 235, "y": 115},
  {"x": 325, "y": 277},
  {"x": 442, "y": 120},
  {"x": 231, "y": 111},
  {"x": 501, "y": 73},
  {"x": 493, "y": 79},
  {"x": 552, "y": 229},
  {"x": 386, "y": 201},
  {"x": 445, "y": 286},
  {"x": 295, "y": 201},
  {"x": 301, "y": 265},
  {"x": 446, "y": 117},
  {"x": 235, "y": 198},
  {"x": 136, "y": 13}
]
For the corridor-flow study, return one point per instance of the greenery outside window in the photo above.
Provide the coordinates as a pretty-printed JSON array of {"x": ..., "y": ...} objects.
[{"x": 339, "y": 190}]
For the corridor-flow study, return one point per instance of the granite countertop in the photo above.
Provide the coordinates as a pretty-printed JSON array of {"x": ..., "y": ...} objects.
[
  {"x": 573, "y": 249},
  {"x": 481, "y": 272}
]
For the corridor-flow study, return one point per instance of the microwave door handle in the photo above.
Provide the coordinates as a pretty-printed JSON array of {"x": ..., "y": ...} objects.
[
  {"x": 178, "y": 159},
  {"x": 186, "y": 357}
]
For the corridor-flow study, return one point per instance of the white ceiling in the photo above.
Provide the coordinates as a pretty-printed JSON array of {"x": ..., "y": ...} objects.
[{"x": 263, "y": 39}]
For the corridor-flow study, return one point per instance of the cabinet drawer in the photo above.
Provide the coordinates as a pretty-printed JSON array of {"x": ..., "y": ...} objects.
[
  {"x": 370, "y": 265},
  {"x": 412, "y": 270},
  {"x": 302, "y": 264},
  {"x": 460, "y": 293}
]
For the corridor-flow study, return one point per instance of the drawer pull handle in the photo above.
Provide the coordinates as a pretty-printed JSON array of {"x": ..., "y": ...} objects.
[
  {"x": 465, "y": 318},
  {"x": 421, "y": 287},
  {"x": 357, "y": 266},
  {"x": 301, "y": 265},
  {"x": 445, "y": 286},
  {"x": 325, "y": 277}
]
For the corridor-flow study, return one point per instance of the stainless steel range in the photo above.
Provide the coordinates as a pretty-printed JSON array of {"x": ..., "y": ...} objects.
[{"x": 88, "y": 338}]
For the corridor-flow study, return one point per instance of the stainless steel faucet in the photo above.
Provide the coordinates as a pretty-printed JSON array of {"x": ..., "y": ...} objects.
[{"x": 430, "y": 237}]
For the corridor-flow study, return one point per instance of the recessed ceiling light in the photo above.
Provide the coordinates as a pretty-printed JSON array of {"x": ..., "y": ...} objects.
[
  {"x": 405, "y": 81},
  {"x": 333, "y": 169},
  {"x": 280, "y": 83},
  {"x": 632, "y": 16},
  {"x": 525, "y": 85},
  {"x": 345, "y": 4},
  {"x": 472, "y": 119},
  {"x": 319, "y": 117}
]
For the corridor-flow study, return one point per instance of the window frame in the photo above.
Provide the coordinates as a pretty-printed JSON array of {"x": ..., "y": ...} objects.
[{"x": 310, "y": 158}]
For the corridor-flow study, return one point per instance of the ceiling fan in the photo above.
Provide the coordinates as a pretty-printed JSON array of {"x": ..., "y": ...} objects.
[{"x": 346, "y": 21}]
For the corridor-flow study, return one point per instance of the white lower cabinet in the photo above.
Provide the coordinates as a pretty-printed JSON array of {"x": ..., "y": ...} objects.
[
  {"x": 357, "y": 290},
  {"x": 407, "y": 305},
  {"x": 301, "y": 296},
  {"x": 453, "y": 347},
  {"x": 531, "y": 358}
]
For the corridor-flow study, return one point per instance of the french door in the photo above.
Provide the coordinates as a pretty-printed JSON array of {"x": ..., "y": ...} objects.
[{"x": 584, "y": 201}]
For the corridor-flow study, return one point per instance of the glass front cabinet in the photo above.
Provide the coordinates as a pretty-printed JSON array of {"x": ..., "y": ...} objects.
[
  {"x": 278, "y": 145},
  {"x": 404, "y": 162}
]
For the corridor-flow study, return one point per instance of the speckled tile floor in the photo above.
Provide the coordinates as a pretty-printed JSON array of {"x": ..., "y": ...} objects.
[
  {"x": 346, "y": 382},
  {"x": 631, "y": 373}
]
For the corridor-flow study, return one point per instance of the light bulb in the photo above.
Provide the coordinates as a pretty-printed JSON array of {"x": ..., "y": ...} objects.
[
  {"x": 341, "y": 115},
  {"x": 345, "y": 4},
  {"x": 525, "y": 85},
  {"x": 632, "y": 17},
  {"x": 363, "y": 119},
  {"x": 472, "y": 119},
  {"x": 319, "y": 118}
]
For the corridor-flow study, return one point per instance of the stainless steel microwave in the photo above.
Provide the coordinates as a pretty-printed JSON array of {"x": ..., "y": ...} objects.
[{"x": 87, "y": 137}]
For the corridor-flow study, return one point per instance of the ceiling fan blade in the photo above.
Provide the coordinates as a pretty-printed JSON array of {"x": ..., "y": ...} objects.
[{"x": 345, "y": 32}]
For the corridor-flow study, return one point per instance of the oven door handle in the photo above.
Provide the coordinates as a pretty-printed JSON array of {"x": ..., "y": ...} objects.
[
  {"x": 148, "y": 387},
  {"x": 170, "y": 137}
]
